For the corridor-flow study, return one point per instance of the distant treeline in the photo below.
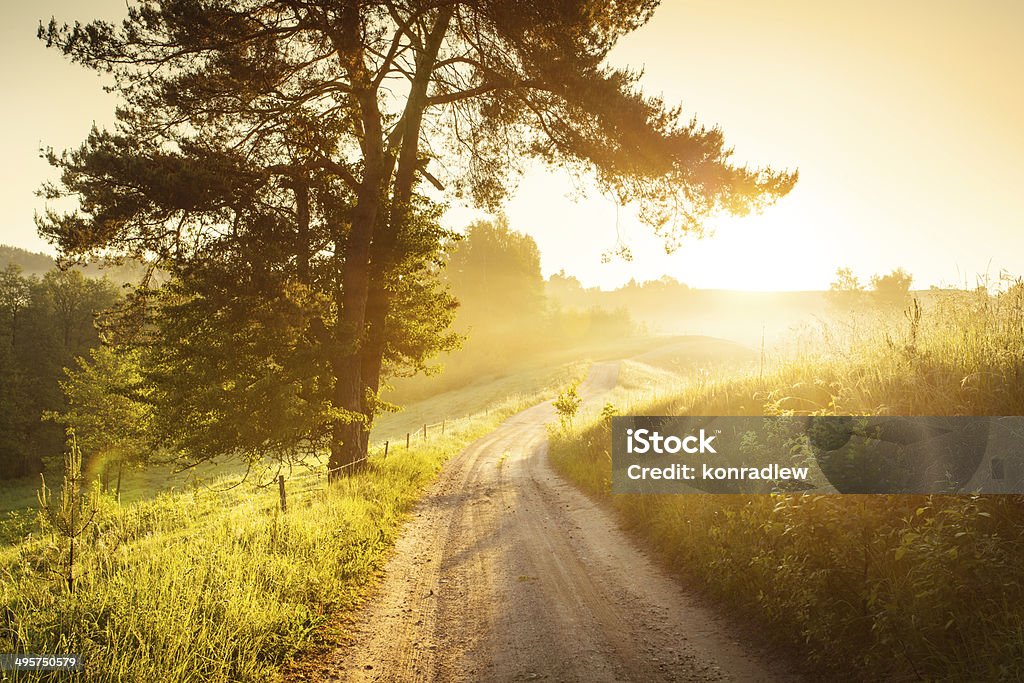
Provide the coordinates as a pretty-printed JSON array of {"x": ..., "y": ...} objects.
[
  {"x": 668, "y": 306},
  {"x": 45, "y": 323},
  {"x": 34, "y": 263},
  {"x": 509, "y": 317},
  {"x": 506, "y": 313}
]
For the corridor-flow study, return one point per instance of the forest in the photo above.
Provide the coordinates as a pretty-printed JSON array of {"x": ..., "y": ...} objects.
[{"x": 47, "y": 324}]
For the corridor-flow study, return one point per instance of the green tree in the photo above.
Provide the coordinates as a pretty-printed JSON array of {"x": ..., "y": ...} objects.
[
  {"x": 74, "y": 302},
  {"x": 15, "y": 297},
  {"x": 237, "y": 351},
  {"x": 306, "y": 127},
  {"x": 567, "y": 404},
  {"x": 70, "y": 516},
  {"x": 566, "y": 291},
  {"x": 17, "y": 398},
  {"x": 495, "y": 275},
  {"x": 846, "y": 290},
  {"x": 108, "y": 410},
  {"x": 846, "y": 281},
  {"x": 44, "y": 325},
  {"x": 892, "y": 289}
]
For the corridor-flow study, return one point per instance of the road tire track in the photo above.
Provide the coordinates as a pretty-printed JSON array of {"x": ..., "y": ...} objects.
[{"x": 507, "y": 573}]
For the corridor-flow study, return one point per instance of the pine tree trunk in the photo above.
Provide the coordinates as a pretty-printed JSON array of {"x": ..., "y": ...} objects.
[
  {"x": 366, "y": 301},
  {"x": 349, "y": 450},
  {"x": 349, "y": 439}
]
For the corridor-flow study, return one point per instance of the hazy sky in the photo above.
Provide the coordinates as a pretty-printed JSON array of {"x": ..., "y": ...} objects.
[{"x": 905, "y": 118}]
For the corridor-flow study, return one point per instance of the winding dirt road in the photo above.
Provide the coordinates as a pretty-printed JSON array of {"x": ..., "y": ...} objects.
[{"x": 507, "y": 573}]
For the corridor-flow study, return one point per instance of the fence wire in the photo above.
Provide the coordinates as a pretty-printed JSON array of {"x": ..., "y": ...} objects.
[{"x": 313, "y": 480}]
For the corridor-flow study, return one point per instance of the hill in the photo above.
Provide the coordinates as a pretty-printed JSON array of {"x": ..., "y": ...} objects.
[{"x": 38, "y": 264}]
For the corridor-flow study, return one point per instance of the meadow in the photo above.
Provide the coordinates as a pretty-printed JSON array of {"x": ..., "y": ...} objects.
[
  {"x": 211, "y": 581},
  {"x": 478, "y": 397},
  {"x": 216, "y": 583},
  {"x": 901, "y": 587}
]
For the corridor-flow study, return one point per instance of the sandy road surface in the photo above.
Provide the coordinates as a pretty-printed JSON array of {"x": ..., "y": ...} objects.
[{"x": 507, "y": 573}]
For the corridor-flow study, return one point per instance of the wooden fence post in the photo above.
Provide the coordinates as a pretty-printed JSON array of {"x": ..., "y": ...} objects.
[
  {"x": 407, "y": 441},
  {"x": 280, "y": 490},
  {"x": 424, "y": 431},
  {"x": 385, "y": 450}
]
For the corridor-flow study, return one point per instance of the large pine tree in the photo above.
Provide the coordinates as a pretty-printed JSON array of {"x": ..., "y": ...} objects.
[{"x": 282, "y": 142}]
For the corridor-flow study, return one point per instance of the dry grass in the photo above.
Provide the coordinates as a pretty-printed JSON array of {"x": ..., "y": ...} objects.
[{"x": 907, "y": 587}]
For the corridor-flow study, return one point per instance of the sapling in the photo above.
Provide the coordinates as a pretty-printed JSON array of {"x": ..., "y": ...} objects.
[
  {"x": 72, "y": 513},
  {"x": 567, "y": 404}
]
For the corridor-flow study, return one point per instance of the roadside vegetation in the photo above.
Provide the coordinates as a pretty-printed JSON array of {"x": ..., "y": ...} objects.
[
  {"x": 914, "y": 587},
  {"x": 216, "y": 584}
]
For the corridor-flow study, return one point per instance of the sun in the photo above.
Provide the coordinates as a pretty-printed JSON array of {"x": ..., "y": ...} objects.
[{"x": 780, "y": 249}]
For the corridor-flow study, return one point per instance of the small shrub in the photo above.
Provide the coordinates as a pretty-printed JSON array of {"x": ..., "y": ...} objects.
[{"x": 567, "y": 404}]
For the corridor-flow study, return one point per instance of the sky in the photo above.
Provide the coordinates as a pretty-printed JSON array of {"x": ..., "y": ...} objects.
[{"x": 905, "y": 119}]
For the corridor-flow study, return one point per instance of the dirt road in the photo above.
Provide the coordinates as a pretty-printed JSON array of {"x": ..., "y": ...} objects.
[{"x": 507, "y": 573}]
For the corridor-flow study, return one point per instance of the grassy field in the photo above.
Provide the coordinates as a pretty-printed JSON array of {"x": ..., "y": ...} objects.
[
  {"x": 475, "y": 399},
  {"x": 217, "y": 584},
  {"x": 425, "y": 406},
  {"x": 901, "y": 587}
]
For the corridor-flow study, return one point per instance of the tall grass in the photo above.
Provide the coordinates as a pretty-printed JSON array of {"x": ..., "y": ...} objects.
[
  {"x": 217, "y": 585},
  {"x": 903, "y": 587}
]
